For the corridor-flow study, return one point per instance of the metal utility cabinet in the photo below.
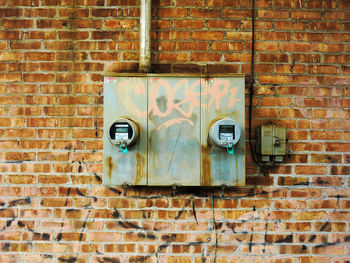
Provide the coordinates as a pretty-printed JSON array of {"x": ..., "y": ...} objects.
[{"x": 184, "y": 130}]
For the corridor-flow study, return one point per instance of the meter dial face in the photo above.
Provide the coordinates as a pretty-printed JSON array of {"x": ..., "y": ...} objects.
[
  {"x": 123, "y": 131},
  {"x": 224, "y": 132},
  {"x": 227, "y": 132}
]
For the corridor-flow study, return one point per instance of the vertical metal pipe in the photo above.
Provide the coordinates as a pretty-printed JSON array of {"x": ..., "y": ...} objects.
[{"x": 145, "y": 36}]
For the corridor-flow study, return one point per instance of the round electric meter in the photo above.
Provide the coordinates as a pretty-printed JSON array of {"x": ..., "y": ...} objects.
[
  {"x": 224, "y": 132},
  {"x": 123, "y": 131}
]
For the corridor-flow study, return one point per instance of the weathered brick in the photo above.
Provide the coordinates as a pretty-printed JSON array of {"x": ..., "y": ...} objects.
[
  {"x": 9, "y": 12},
  {"x": 10, "y": 56},
  {"x": 32, "y": 3},
  {"x": 205, "y": 13},
  {"x": 20, "y": 179},
  {"x": 51, "y": 132},
  {"x": 204, "y": 35},
  {"x": 10, "y": 77}
]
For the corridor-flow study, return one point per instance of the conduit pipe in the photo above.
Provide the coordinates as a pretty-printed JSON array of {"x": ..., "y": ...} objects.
[{"x": 145, "y": 36}]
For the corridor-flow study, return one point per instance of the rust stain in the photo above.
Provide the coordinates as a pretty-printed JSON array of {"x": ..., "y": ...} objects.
[
  {"x": 139, "y": 171},
  {"x": 236, "y": 157},
  {"x": 110, "y": 166},
  {"x": 205, "y": 166}
]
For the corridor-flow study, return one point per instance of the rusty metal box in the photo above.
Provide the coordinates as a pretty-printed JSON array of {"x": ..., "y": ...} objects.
[{"x": 174, "y": 113}]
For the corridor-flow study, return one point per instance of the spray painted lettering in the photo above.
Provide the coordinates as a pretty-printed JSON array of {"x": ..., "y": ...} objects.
[{"x": 182, "y": 96}]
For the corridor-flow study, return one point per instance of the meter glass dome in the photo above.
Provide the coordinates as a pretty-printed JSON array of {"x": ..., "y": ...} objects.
[{"x": 224, "y": 132}]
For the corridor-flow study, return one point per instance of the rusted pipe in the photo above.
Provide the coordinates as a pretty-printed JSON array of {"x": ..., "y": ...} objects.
[{"x": 145, "y": 36}]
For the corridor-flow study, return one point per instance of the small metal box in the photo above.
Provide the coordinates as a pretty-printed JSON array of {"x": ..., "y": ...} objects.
[{"x": 272, "y": 143}]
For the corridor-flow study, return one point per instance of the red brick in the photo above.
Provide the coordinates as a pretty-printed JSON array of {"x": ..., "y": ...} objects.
[
  {"x": 273, "y": 101},
  {"x": 169, "y": 35},
  {"x": 226, "y": 24},
  {"x": 88, "y": 157},
  {"x": 273, "y": 57},
  {"x": 327, "y": 47},
  {"x": 224, "y": 46},
  {"x": 301, "y": 146},
  {"x": 320, "y": 4},
  {"x": 41, "y": 100},
  {"x": 194, "y": 3},
  {"x": 40, "y": 12},
  {"x": 12, "y": 122},
  {"x": 337, "y": 37},
  {"x": 274, "y": 79},
  {"x": 10, "y": 77},
  {"x": 275, "y": 36},
  {"x": 73, "y": 12},
  {"x": 23, "y": 23},
  {"x": 258, "y": 25},
  {"x": 25, "y": 111},
  {"x": 56, "y": 2},
  {"x": 32, "y": 3},
  {"x": 237, "y": 57},
  {"x": 110, "y": 12},
  {"x": 10, "y": 56},
  {"x": 310, "y": 37},
  {"x": 296, "y": 47},
  {"x": 70, "y": 77},
  {"x": 15, "y": 35},
  {"x": 63, "y": 144},
  {"x": 338, "y": 147},
  {"x": 104, "y": 56},
  {"x": 73, "y": 35},
  {"x": 9, "y": 12},
  {"x": 311, "y": 169},
  {"x": 122, "y": 2},
  {"x": 205, "y": 13},
  {"x": 126, "y": 24},
  {"x": 23, "y": 133},
  {"x": 223, "y": 3},
  {"x": 189, "y": 24},
  {"x": 274, "y": 14},
  {"x": 172, "y": 12},
  {"x": 56, "y": 156},
  {"x": 38, "y": 77},
  {"x": 334, "y": 250},
  {"x": 207, "y": 35},
  {"x": 255, "y": 203},
  {"x": 178, "y": 57},
  {"x": 205, "y": 56},
  {"x": 303, "y": 15},
  {"x": 287, "y": 180},
  {"x": 323, "y": 26},
  {"x": 117, "y": 248},
  {"x": 288, "y": 69},
  {"x": 40, "y": 35},
  {"x": 287, "y": 3},
  {"x": 34, "y": 144}
]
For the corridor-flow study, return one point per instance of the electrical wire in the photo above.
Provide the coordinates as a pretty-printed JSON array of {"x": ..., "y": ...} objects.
[{"x": 251, "y": 94}]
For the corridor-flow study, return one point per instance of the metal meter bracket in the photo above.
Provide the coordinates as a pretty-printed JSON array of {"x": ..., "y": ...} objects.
[
  {"x": 271, "y": 143},
  {"x": 224, "y": 133},
  {"x": 123, "y": 132}
]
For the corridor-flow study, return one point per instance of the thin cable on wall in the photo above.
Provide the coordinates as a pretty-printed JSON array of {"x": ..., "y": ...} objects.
[
  {"x": 261, "y": 167},
  {"x": 251, "y": 94}
]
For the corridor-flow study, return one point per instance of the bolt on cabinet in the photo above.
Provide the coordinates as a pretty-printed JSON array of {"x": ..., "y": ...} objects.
[{"x": 185, "y": 130}]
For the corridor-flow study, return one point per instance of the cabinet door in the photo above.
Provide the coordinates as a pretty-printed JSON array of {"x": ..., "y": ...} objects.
[
  {"x": 220, "y": 98},
  {"x": 125, "y": 97},
  {"x": 174, "y": 131}
]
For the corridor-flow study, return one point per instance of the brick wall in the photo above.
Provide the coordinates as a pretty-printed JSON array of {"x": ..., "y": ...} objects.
[{"x": 53, "y": 206}]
